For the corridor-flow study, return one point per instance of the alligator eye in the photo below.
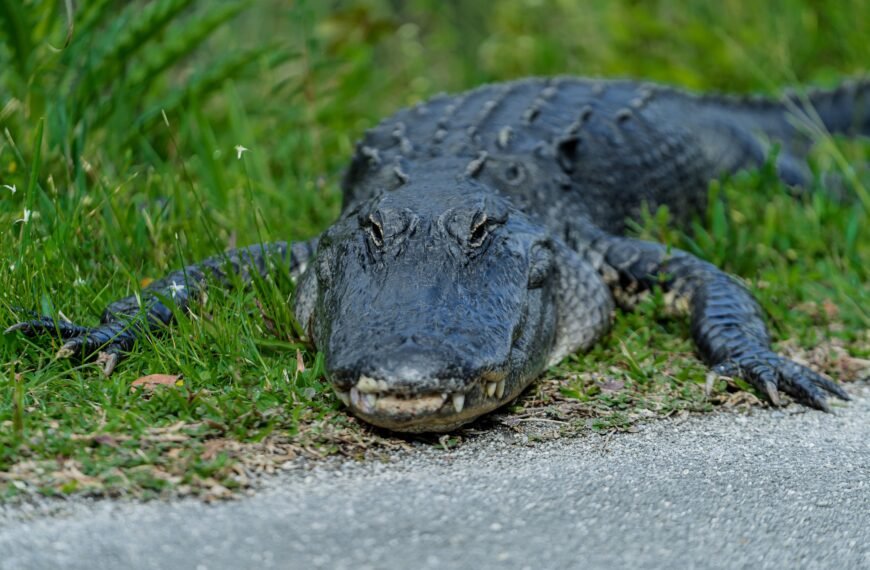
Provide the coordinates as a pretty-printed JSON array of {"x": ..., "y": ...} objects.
[
  {"x": 478, "y": 230},
  {"x": 376, "y": 231}
]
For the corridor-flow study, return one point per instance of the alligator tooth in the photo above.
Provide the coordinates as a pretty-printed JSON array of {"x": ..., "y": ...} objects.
[
  {"x": 458, "y": 402},
  {"x": 365, "y": 402},
  {"x": 369, "y": 401},
  {"x": 499, "y": 390},
  {"x": 367, "y": 384},
  {"x": 490, "y": 389},
  {"x": 343, "y": 396}
]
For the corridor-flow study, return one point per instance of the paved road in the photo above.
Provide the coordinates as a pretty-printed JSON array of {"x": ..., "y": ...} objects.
[{"x": 784, "y": 489}]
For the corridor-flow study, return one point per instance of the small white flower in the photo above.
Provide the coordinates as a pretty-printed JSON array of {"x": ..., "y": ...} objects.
[
  {"x": 11, "y": 267},
  {"x": 240, "y": 150},
  {"x": 176, "y": 288},
  {"x": 12, "y": 188},
  {"x": 78, "y": 282},
  {"x": 26, "y": 218}
]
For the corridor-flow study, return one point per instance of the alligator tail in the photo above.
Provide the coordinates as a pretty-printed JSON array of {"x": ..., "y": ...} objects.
[
  {"x": 795, "y": 122},
  {"x": 843, "y": 110}
]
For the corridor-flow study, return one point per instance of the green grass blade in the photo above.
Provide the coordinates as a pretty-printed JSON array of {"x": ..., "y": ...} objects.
[
  {"x": 16, "y": 25},
  {"x": 144, "y": 24},
  {"x": 176, "y": 47},
  {"x": 202, "y": 84},
  {"x": 30, "y": 192}
]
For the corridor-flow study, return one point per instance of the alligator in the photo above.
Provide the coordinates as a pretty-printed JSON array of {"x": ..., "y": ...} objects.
[{"x": 483, "y": 237}]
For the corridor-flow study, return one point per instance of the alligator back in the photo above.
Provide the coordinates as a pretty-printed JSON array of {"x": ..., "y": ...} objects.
[{"x": 600, "y": 149}]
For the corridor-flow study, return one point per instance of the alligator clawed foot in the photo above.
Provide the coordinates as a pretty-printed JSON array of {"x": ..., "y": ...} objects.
[
  {"x": 81, "y": 342},
  {"x": 771, "y": 373}
]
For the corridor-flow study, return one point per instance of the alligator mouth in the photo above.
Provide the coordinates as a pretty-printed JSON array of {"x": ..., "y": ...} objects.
[{"x": 373, "y": 401}]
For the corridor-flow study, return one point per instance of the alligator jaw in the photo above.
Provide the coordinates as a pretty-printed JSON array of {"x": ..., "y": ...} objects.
[{"x": 372, "y": 401}]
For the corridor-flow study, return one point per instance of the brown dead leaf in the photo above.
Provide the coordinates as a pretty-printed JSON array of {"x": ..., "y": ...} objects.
[
  {"x": 213, "y": 447},
  {"x": 100, "y": 438},
  {"x": 831, "y": 310},
  {"x": 151, "y": 381},
  {"x": 810, "y": 308},
  {"x": 300, "y": 364},
  {"x": 741, "y": 400},
  {"x": 105, "y": 439}
]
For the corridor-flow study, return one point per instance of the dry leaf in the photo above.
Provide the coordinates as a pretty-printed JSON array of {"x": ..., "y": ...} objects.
[
  {"x": 105, "y": 439},
  {"x": 831, "y": 310},
  {"x": 300, "y": 364},
  {"x": 151, "y": 381}
]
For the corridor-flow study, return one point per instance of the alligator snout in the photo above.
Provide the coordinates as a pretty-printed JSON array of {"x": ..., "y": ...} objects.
[
  {"x": 389, "y": 404},
  {"x": 416, "y": 383}
]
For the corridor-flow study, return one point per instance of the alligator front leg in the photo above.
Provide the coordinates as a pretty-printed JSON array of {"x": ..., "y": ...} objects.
[
  {"x": 727, "y": 322},
  {"x": 128, "y": 319}
]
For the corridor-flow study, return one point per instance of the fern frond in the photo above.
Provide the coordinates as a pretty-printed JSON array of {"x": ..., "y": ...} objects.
[
  {"x": 203, "y": 84},
  {"x": 177, "y": 47},
  {"x": 181, "y": 44},
  {"x": 144, "y": 24}
]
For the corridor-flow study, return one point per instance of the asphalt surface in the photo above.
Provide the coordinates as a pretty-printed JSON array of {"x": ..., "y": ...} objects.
[{"x": 774, "y": 489}]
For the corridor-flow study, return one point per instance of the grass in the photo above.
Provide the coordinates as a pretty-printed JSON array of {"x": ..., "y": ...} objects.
[{"x": 119, "y": 141}]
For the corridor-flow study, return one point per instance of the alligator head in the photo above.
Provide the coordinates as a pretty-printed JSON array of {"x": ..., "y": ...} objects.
[{"x": 434, "y": 305}]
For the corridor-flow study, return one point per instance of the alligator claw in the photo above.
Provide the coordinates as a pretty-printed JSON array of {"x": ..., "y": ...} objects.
[
  {"x": 771, "y": 373},
  {"x": 47, "y": 325},
  {"x": 108, "y": 359},
  {"x": 772, "y": 393},
  {"x": 15, "y": 327}
]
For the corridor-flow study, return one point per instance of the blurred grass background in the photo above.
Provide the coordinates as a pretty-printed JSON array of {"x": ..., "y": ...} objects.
[{"x": 119, "y": 125}]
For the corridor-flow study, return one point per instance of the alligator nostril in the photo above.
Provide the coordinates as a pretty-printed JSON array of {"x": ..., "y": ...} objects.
[{"x": 514, "y": 173}]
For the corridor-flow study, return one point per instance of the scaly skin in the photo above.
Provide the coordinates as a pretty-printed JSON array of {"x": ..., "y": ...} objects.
[{"x": 481, "y": 239}]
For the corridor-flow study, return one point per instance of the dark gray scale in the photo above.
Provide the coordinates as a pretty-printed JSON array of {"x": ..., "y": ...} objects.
[
  {"x": 499, "y": 129},
  {"x": 653, "y": 154},
  {"x": 383, "y": 160},
  {"x": 466, "y": 135},
  {"x": 599, "y": 135},
  {"x": 481, "y": 126}
]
